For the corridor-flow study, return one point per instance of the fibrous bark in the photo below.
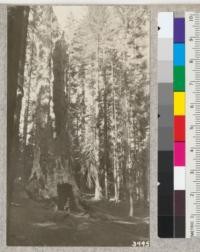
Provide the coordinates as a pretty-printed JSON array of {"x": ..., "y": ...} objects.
[
  {"x": 17, "y": 33},
  {"x": 61, "y": 109}
]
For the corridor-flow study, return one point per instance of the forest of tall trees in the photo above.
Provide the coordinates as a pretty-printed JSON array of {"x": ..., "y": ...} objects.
[{"x": 78, "y": 104}]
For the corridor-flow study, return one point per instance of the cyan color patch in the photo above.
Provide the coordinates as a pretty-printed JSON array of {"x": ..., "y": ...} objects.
[{"x": 179, "y": 54}]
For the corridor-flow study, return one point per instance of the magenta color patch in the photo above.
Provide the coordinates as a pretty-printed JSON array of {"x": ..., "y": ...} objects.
[{"x": 179, "y": 153}]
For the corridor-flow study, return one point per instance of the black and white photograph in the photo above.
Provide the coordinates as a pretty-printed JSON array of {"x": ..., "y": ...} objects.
[{"x": 78, "y": 130}]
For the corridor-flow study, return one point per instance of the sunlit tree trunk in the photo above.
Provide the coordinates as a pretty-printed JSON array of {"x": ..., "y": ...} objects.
[
  {"x": 128, "y": 164},
  {"x": 115, "y": 158},
  {"x": 26, "y": 114},
  {"x": 131, "y": 202},
  {"x": 98, "y": 189},
  {"x": 105, "y": 129}
]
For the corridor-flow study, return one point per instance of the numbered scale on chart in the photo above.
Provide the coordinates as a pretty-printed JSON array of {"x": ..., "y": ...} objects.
[{"x": 192, "y": 124}]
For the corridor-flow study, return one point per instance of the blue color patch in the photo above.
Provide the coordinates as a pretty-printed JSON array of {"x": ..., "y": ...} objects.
[{"x": 179, "y": 54}]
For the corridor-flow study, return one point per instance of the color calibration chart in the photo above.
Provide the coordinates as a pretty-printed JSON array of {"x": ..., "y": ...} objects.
[{"x": 178, "y": 80}]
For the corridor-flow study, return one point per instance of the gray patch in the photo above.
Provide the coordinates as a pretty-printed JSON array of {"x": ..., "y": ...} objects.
[
  {"x": 165, "y": 140},
  {"x": 165, "y": 49},
  {"x": 165, "y": 94},
  {"x": 165, "y": 71},
  {"x": 165, "y": 116}
]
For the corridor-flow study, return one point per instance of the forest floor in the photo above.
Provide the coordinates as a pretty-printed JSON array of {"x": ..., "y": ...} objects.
[{"x": 106, "y": 224}]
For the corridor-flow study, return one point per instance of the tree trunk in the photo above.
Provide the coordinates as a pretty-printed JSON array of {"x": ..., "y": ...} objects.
[
  {"x": 26, "y": 116},
  {"x": 106, "y": 183},
  {"x": 98, "y": 189},
  {"x": 61, "y": 107},
  {"x": 125, "y": 137},
  {"x": 83, "y": 110},
  {"x": 131, "y": 201},
  {"x": 105, "y": 118},
  {"x": 17, "y": 33},
  {"x": 115, "y": 161}
]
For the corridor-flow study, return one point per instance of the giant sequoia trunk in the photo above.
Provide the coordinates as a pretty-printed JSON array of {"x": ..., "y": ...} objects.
[
  {"x": 61, "y": 109},
  {"x": 17, "y": 33}
]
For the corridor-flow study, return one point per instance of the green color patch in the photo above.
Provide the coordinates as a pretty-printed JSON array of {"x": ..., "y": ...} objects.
[{"x": 179, "y": 78}]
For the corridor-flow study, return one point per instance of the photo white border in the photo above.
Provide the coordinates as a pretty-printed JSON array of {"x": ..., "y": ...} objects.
[
  {"x": 100, "y": 2},
  {"x": 156, "y": 244}
]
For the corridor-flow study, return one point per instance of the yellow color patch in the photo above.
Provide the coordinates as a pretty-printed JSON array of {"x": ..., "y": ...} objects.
[{"x": 179, "y": 103}]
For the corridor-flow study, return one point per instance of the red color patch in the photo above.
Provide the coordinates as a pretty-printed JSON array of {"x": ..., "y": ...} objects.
[{"x": 179, "y": 129}]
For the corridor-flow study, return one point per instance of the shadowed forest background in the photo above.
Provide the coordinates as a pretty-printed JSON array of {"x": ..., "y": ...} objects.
[{"x": 78, "y": 125}]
